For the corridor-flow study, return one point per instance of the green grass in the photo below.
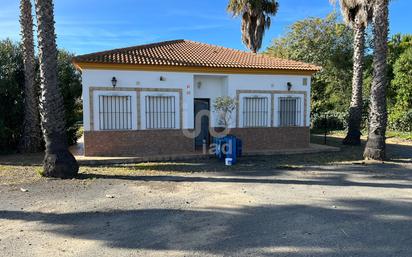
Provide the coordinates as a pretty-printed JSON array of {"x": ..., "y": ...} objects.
[
  {"x": 401, "y": 135},
  {"x": 389, "y": 134},
  {"x": 17, "y": 169}
]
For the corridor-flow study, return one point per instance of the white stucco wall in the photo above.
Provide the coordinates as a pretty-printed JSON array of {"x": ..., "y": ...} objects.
[{"x": 211, "y": 86}]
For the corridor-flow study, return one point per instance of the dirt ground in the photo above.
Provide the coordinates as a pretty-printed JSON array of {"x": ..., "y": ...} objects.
[{"x": 308, "y": 205}]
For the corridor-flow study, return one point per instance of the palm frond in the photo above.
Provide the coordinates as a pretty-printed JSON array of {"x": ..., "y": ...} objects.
[
  {"x": 356, "y": 11},
  {"x": 255, "y": 19}
]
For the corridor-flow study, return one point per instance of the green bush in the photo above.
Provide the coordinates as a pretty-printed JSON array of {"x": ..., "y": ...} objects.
[
  {"x": 400, "y": 116},
  {"x": 11, "y": 95},
  {"x": 399, "y": 121},
  {"x": 330, "y": 120}
]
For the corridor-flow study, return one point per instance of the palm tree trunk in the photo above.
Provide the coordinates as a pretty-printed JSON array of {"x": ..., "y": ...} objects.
[
  {"x": 375, "y": 147},
  {"x": 31, "y": 139},
  {"x": 58, "y": 161},
  {"x": 355, "y": 111}
]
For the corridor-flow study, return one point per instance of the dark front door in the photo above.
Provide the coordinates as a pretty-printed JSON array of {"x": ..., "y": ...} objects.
[{"x": 200, "y": 105}]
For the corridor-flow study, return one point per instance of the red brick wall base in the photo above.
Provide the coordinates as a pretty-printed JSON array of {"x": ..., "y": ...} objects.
[
  {"x": 170, "y": 142},
  {"x": 256, "y": 139},
  {"x": 136, "y": 143}
]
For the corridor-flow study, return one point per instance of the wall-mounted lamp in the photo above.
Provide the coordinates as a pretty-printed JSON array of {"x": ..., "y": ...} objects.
[
  {"x": 114, "y": 81},
  {"x": 199, "y": 84},
  {"x": 305, "y": 82},
  {"x": 162, "y": 78},
  {"x": 289, "y": 86}
]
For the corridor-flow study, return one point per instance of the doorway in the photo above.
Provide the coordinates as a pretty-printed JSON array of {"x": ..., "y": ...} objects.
[{"x": 202, "y": 104}]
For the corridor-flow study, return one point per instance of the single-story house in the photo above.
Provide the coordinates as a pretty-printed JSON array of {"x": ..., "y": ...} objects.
[{"x": 142, "y": 100}]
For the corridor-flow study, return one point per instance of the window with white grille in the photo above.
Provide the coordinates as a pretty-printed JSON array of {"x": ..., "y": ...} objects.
[
  {"x": 160, "y": 112},
  {"x": 255, "y": 112},
  {"x": 290, "y": 111},
  {"x": 115, "y": 112}
]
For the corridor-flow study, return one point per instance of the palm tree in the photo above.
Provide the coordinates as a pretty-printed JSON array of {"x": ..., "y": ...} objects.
[
  {"x": 58, "y": 161},
  {"x": 375, "y": 147},
  {"x": 357, "y": 14},
  {"x": 255, "y": 19},
  {"x": 31, "y": 139}
]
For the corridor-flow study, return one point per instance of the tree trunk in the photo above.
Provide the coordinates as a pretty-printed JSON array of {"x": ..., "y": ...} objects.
[
  {"x": 249, "y": 23},
  {"x": 355, "y": 111},
  {"x": 31, "y": 139},
  {"x": 375, "y": 147},
  {"x": 58, "y": 161}
]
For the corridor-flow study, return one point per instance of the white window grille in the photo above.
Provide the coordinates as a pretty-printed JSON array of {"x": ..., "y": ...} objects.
[
  {"x": 160, "y": 112},
  {"x": 255, "y": 112},
  {"x": 115, "y": 112},
  {"x": 290, "y": 111}
]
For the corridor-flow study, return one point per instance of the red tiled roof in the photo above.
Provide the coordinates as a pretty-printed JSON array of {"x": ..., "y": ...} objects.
[{"x": 185, "y": 53}]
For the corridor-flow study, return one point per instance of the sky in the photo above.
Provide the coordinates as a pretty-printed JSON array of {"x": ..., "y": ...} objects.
[{"x": 85, "y": 26}]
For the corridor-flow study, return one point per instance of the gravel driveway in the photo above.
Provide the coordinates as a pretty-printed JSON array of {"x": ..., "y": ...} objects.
[{"x": 339, "y": 210}]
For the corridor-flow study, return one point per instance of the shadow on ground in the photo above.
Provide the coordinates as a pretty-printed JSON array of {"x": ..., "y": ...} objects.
[
  {"x": 336, "y": 176},
  {"x": 350, "y": 228}
]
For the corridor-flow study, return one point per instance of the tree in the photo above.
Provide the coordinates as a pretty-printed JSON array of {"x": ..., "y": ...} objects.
[
  {"x": 327, "y": 43},
  {"x": 400, "y": 117},
  {"x": 255, "y": 19},
  {"x": 224, "y": 106},
  {"x": 31, "y": 139},
  {"x": 12, "y": 92},
  {"x": 71, "y": 88},
  {"x": 58, "y": 161},
  {"x": 357, "y": 14},
  {"x": 375, "y": 146},
  {"x": 397, "y": 45},
  {"x": 11, "y": 87}
]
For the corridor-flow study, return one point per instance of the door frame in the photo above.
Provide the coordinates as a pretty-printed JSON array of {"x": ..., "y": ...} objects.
[{"x": 208, "y": 100}]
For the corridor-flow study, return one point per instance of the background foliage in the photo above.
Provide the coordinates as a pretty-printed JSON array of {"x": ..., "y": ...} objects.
[
  {"x": 328, "y": 43},
  {"x": 71, "y": 89},
  {"x": 400, "y": 116},
  {"x": 11, "y": 95}
]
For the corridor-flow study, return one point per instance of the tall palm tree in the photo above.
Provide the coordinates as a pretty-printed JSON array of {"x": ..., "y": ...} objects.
[
  {"x": 31, "y": 139},
  {"x": 357, "y": 14},
  {"x": 58, "y": 161},
  {"x": 375, "y": 147},
  {"x": 255, "y": 19}
]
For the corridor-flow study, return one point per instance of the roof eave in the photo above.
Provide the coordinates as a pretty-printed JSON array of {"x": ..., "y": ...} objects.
[{"x": 81, "y": 65}]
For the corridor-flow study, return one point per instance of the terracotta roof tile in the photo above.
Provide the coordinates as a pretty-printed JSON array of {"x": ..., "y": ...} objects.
[{"x": 192, "y": 54}]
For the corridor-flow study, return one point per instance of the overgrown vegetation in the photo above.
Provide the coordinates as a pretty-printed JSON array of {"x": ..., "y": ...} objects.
[{"x": 11, "y": 93}]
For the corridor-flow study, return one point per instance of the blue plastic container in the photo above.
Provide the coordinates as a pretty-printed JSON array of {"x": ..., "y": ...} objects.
[
  {"x": 228, "y": 147},
  {"x": 239, "y": 147},
  {"x": 231, "y": 148},
  {"x": 219, "y": 142}
]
